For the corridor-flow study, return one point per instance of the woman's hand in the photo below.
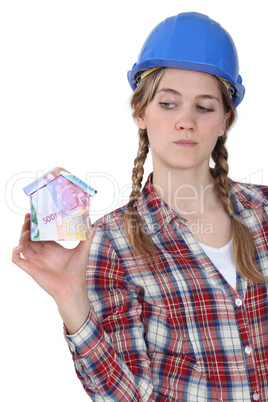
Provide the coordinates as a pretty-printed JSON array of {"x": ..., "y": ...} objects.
[{"x": 60, "y": 272}]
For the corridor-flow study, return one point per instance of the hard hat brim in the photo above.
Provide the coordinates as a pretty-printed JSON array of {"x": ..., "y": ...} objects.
[{"x": 133, "y": 74}]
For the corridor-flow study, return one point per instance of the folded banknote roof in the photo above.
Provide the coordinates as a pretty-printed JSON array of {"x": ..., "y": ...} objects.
[{"x": 52, "y": 175}]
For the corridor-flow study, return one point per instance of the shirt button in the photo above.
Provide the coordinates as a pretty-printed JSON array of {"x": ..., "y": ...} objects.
[
  {"x": 256, "y": 396},
  {"x": 238, "y": 302},
  {"x": 248, "y": 350}
]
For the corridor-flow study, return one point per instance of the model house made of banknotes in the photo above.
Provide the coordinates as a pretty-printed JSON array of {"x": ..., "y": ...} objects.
[{"x": 59, "y": 206}]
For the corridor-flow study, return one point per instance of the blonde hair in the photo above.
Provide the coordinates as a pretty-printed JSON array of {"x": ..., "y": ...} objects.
[{"x": 243, "y": 245}]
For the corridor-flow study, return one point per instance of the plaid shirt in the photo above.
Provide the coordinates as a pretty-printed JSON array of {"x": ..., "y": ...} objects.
[{"x": 178, "y": 332}]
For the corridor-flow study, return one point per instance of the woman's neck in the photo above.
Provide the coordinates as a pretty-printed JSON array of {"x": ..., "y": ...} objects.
[{"x": 189, "y": 192}]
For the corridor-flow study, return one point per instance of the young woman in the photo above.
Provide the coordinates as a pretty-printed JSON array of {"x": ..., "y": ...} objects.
[{"x": 171, "y": 303}]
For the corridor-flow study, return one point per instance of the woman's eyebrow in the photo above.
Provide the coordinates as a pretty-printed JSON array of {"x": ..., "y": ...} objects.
[
  {"x": 169, "y": 90},
  {"x": 207, "y": 97},
  {"x": 174, "y": 92}
]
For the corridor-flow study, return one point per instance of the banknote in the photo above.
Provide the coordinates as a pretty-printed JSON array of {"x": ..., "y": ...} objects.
[{"x": 59, "y": 206}]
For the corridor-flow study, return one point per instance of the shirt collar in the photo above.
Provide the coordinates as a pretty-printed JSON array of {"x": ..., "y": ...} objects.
[
  {"x": 157, "y": 214},
  {"x": 153, "y": 210},
  {"x": 248, "y": 197}
]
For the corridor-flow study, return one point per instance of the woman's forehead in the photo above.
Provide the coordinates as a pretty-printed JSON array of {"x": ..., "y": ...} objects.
[
  {"x": 176, "y": 75},
  {"x": 188, "y": 80}
]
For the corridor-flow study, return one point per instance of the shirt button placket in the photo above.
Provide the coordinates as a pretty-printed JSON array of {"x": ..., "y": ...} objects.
[
  {"x": 238, "y": 302},
  {"x": 248, "y": 350}
]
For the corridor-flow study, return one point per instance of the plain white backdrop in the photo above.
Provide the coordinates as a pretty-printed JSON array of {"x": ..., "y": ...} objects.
[{"x": 64, "y": 101}]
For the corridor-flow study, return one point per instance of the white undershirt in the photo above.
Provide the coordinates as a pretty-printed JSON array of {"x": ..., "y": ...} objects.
[{"x": 223, "y": 259}]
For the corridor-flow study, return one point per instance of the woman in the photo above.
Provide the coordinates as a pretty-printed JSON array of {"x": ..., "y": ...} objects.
[{"x": 172, "y": 302}]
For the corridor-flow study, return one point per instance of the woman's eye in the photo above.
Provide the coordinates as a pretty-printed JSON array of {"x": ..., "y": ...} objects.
[
  {"x": 167, "y": 105},
  {"x": 204, "y": 109}
]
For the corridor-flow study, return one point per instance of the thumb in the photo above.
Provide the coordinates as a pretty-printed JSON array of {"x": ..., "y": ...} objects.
[{"x": 84, "y": 245}]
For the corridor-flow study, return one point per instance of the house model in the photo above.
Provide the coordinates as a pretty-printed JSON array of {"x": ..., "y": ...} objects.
[{"x": 59, "y": 206}]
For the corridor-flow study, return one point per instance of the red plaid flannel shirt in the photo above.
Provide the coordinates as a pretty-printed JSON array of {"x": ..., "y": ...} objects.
[{"x": 178, "y": 332}]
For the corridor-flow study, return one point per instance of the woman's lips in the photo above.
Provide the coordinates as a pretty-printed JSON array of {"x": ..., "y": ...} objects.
[{"x": 186, "y": 143}]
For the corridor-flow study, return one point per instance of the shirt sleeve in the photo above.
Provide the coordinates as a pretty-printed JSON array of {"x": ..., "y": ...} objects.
[{"x": 109, "y": 351}]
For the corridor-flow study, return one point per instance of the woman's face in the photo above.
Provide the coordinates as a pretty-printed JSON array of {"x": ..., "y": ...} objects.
[{"x": 184, "y": 120}]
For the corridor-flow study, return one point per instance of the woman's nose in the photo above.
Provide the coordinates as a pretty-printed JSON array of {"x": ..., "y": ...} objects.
[{"x": 185, "y": 120}]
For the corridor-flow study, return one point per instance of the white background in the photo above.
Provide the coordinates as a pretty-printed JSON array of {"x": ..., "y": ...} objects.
[{"x": 64, "y": 101}]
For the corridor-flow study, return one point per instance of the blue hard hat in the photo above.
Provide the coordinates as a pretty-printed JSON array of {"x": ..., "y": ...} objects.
[{"x": 191, "y": 41}]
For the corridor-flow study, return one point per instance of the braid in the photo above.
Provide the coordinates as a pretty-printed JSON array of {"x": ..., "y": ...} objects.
[
  {"x": 138, "y": 239},
  {"x": 243, "y": 244},
  {"x": 220, "y": 174},
  {"x": 133, "y": 224},
  {"x": 138, "y": 170}
]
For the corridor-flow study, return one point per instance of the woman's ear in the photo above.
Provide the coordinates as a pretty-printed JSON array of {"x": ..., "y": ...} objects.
[
  {"x": 223, "y": 128},
  {"x": 141, "y": 122},
  {"x": 140, "y": 119}
]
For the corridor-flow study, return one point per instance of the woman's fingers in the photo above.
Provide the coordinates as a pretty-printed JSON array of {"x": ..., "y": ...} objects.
[
  {"x": 25, "y": 227},
  {"x": 30, "y": 247},
  {"x": 26, "y": 247},
  {"x": 91, "y": 232},
  {"x": 83, "y": 248},
  {"x": 87, "y": 244},
  {"x": 59, "y": 271},
  {"x": 49, "y": 254},
  {"x": 18, "y": 260},
  {"x": 25, "y": 233}
]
